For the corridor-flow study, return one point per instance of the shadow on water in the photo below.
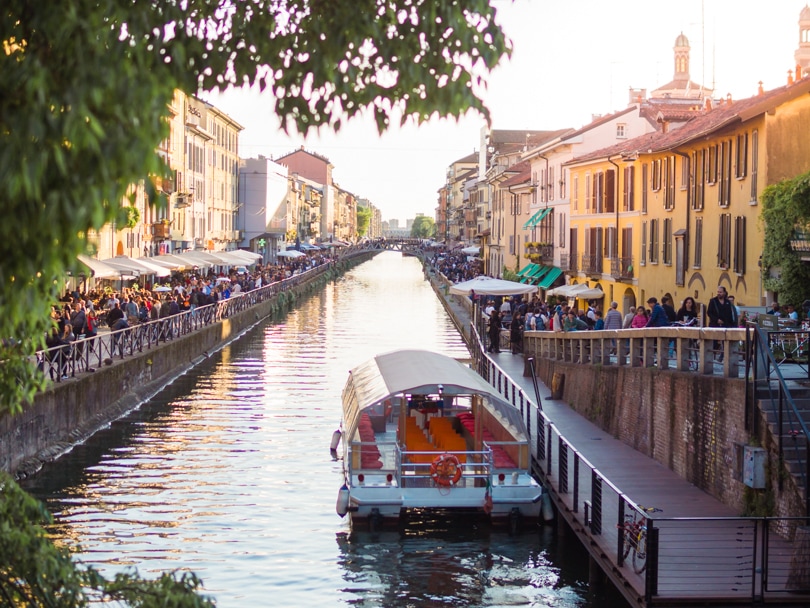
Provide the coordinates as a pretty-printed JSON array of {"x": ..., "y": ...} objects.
[{"x": 439, "y": 559}]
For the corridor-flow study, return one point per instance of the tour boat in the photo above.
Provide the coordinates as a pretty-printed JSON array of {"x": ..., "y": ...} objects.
[{"x": 423, "y": 431}]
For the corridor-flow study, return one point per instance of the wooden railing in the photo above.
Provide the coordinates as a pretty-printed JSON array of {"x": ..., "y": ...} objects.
[{"x": 708, "y": 351}]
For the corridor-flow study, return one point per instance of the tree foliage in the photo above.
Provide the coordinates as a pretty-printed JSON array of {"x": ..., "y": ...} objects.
[
  {"x": 786, "y": 216},
  {"x": 87, "y": 87},
  {"x": 35, "y": 572},
  {"x": 423, "y": 228},
  {"x": 363, "y": 220}
]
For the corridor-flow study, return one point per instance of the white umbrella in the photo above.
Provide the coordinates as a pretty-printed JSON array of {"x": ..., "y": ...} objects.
[
  {"x": 162, "y": 288},
  {"x": 579, "y": 290},
  {"x": 471, "y": 250},
  {"x": 290, "y": 253},
  {"x": 99, "y": 269},
  {"x": 491, "y": 287},
  {"x": 223, "y": 280}
]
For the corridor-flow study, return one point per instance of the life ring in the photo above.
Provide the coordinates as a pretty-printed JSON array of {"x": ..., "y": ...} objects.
[{"x": 445, "y": 470}]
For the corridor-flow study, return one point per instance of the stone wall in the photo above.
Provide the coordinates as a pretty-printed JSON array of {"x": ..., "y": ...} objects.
[{"x": 692, "y": 424}]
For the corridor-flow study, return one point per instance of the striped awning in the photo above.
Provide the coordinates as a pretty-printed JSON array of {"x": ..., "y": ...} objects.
[
  {"x": 537, "y": 218},
  {"x": 526, "y": 269},
  {"x": 534, "y": 277},
  {"x": 550, "y": 277}
]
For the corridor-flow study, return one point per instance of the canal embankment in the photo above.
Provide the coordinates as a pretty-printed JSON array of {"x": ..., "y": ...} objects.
[{"x": 70, "y": 412}]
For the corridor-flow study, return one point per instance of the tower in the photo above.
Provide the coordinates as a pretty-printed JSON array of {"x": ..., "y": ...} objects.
[
  {"x": 681, "y": 50},
  {"x": 802, "y": 54}
]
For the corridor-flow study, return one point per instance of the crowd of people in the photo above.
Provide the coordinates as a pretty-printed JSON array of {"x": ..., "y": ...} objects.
[
  {"x": 516, "y": 315},
  {"x": 81, "y": 314}
]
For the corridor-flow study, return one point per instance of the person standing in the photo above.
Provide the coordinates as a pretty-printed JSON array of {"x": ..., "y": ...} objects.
[
  {"x": 495, "y": 331},
  {"x": 658, "y": 317},
  {"x": 613, "y": 318},
  {"x": 721, "y": 314},
  {"x": 628, "y": 318}
]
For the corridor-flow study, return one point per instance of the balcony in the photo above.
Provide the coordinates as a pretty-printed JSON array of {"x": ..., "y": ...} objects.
[
  {"x": 161, "y": 230},
  {"x": 621, "y": 268},
  {"x": 592, "y": 264},
  {"x": 541, "y": 252},
  {"x": 800, "y": 242}
]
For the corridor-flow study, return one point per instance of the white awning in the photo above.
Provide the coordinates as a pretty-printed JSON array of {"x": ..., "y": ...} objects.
[
  {"x": 127, "y": 264},
  {"x": 99, "y": 269}
]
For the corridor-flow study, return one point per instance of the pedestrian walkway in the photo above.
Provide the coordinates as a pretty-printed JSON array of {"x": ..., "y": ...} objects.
[{"x": 699, "y": 550}]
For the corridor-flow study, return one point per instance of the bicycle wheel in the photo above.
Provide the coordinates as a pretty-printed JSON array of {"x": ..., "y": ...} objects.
[
  {"x": 628, "y": 543},
  {"x": 640, "y": 554}
]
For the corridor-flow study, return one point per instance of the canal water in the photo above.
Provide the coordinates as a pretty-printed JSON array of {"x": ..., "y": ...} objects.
[{"x": 227, "y": 473}]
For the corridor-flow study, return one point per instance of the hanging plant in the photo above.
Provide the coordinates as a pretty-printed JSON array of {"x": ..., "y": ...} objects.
[{"x": 128, "y": 216}]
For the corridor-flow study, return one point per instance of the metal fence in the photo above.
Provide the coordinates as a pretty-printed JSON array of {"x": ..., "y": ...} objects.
[
  {"x": 89, "y": 353},
  {"x": 682, "y": 559}
]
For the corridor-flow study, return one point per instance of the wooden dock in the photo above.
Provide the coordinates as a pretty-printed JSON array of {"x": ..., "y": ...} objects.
[{"x": 706, "y": 554}]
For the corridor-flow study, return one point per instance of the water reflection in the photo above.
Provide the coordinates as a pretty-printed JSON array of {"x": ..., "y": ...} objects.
[
  {"x": 455, "y": 564},
  {"x": 227, "y": 473}
]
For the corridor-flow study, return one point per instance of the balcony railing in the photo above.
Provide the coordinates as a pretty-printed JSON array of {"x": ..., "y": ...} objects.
[
  {"x": 592, "y": 263},
  {"x": 568, "y": 263},
  {"x": 621, "y": 268}
]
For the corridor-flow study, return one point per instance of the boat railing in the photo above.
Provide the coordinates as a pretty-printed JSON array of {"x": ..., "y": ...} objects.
[
  {"x": 415, "y": 468},
  {"x": 511, "y": 455},
  {"x": 373, "y": 457}
]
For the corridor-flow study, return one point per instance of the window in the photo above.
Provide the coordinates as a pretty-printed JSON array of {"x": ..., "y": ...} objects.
[
  {"x": 643, "y": 243},
  {"x": 711, "y": 165},
  {"x": 534, "y": 187},
  {"x": 575, "y": 192},
  {"x": 560, "y": 229},
  {"x": 667, "y": 242},
  {"x": 562, "y": 183},
  {"x": 645, "y": 171},
  {"x": 628, "y": 202},
  {"x": 627, "y": 248},
  {"x": 656, "y": 175},
  {"x": 550, "y": 185},
  {"x": 685, "y": 173},
  {"x": 739, "y": 245},
  {"x": 698, "y": 257},
  {"x": 611, "y": 244},
  {"x": 668, "y": 165},
  {"x": 621, "y": 130},
  {"x": 724, "y": 241},
  {"x": 654, "y": 233},
  {"x": 724, "y": 176},
  {"x": 754, "y": 164},
  {"x": 698, "y": 160},
  {"x": 741, "y": 158},
  {"x": 598, "y": 192},
  {"x": 587, "y": 192},
  {"x": 610, "y": 191}
]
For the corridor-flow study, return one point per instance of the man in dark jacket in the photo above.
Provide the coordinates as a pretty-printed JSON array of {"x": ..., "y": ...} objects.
[{"x": 658, "y": 317}]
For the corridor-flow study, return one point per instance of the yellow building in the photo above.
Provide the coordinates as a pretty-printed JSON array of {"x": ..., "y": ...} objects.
[{"x": 676, "y": 213}]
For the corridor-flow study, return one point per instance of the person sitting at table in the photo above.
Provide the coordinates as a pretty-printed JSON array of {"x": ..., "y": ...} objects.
[{"x": 792, "y": 314}]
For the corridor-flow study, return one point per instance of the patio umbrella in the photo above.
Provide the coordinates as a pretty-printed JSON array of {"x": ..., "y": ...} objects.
[
  {"x": 290, "y": 253},
  {"x": 162, "y": 288},
  {"x": 471, "y": 250},
  {"x": 492, "y": 287},
  {"x": 223, "y": 280}
]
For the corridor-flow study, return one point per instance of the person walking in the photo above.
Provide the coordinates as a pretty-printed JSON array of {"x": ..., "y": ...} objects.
[
  {"x": 613, "y": 318},
  {"x": 628, "y": 318}
]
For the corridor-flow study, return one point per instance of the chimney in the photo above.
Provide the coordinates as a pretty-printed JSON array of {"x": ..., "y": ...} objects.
[
  {"x": 728, "y": 99},
  {"x": 799, "y": 74},
  {"x": 708, "y": 104},
  {"x": 760, "y": 90},
  {"x": 790, "y": 77}
]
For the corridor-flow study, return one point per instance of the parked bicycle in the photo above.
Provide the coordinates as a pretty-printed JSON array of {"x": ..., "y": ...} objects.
[{"x": 635, "y": 537}]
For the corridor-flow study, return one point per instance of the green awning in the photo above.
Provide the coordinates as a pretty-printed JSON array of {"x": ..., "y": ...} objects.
[
  {"x": 537, "y": 276},
  {"x": 536, "y": 218},
  {"x": 550, "y": 277},
  {"x": 526, "y": 269},
  {"x": 532, "y": 277}
]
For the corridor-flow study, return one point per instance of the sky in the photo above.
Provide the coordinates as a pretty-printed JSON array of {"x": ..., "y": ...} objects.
[{"x": 572, "y": 60}]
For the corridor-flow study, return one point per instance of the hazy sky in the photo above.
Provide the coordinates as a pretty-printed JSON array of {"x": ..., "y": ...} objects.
[{"x": 572, "y": 59}]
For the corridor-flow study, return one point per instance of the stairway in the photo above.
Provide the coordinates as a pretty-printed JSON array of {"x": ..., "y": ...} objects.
[{"x": 794, "y": 443}]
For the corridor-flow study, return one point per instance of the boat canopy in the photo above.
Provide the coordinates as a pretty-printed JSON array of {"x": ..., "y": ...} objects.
[{"x": 418, "y": 372}]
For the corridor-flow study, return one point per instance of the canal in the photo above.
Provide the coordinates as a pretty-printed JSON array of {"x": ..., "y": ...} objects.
[{"x": 227, "y": 473}]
